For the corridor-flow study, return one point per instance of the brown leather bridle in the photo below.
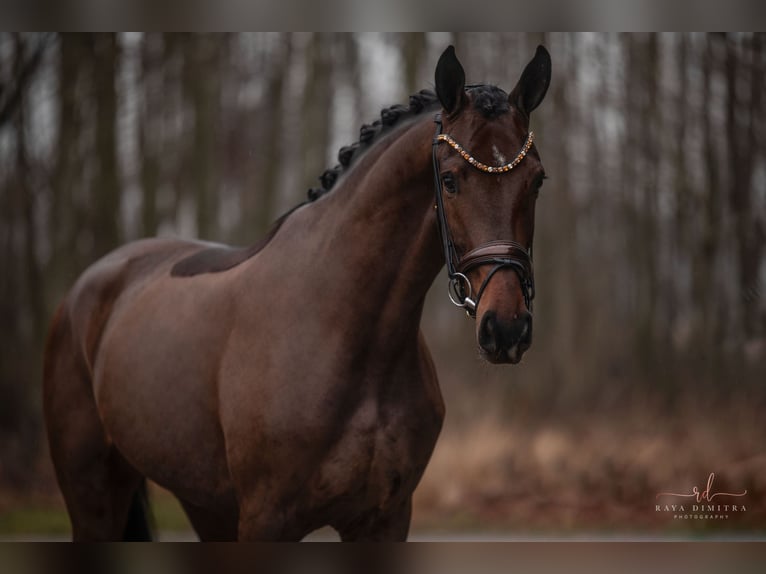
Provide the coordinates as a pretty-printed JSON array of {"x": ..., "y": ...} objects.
[{"x": 501, "y": 253}]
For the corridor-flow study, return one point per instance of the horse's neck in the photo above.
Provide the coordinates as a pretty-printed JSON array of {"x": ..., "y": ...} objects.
[{"x": 378, "y": 233}]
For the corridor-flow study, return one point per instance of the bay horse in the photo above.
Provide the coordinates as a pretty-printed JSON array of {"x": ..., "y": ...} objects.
[{"x": 287, "y": 386}]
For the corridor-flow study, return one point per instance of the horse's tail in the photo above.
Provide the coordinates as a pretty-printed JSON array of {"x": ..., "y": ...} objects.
[{"x": 138, "y": 526}]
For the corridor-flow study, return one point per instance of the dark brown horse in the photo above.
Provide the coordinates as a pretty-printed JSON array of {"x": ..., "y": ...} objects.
[{"x": 284, "y": 387}]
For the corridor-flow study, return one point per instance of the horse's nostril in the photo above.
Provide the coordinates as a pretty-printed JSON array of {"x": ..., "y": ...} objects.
[
  {"x": 488, "y": 332},
  {"x": 525, "y": 335},
  {"x": 525, "y": 338}
]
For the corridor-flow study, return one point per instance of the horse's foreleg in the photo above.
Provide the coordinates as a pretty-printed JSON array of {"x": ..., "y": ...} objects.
[{"x": 390, "y": 526}]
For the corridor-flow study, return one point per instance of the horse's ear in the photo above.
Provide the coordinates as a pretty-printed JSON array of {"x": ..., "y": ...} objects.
[
  {"x": 450, "y": 81},
  {"x": 534, "y": 82}
]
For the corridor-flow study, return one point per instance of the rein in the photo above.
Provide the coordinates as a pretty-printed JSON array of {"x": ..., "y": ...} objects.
[{"x": 500, "y": 253}]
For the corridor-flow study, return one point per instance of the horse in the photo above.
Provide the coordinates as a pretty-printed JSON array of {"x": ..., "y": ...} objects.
[{"x": 287, "y": 386}]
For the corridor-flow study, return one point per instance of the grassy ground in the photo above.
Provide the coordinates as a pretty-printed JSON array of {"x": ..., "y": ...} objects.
[
  {"x": 596, "y": 473},
  {"x": 47, "y": 515}
]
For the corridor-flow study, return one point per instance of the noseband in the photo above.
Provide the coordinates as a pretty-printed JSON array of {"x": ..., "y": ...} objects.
[{"x": 500, "y": 253}]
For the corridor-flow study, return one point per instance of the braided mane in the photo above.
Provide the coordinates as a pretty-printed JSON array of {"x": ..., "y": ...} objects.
[{"x": 424, "y": 100}]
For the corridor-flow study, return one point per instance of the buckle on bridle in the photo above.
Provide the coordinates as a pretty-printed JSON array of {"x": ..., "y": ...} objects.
[{"x": 457, "y": 293}]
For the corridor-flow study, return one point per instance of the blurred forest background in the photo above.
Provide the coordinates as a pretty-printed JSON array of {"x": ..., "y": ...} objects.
[{"x": 648, "y": 369}]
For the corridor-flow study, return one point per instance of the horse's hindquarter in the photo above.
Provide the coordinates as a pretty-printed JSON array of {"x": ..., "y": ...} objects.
[{"x": 155, "y": 370}]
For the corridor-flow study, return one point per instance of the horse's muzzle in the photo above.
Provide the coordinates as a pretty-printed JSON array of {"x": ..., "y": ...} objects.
[{"x": 505, "y": 341}]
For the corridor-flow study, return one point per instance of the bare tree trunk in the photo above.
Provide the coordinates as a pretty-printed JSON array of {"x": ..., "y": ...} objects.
[
  {"x": 152, "y": 61},
  {"x": 202, "y": 84},
  {"x": 754, "y": 254},
  {"x": 105, "y": 55},
  {"x": 353, "y": 73},
  {"x": 24, "y": 70},
  {"x": 413, "y": 47},
  {"x": 754, "y": 236},
  {"x": 317, "y": 105},
  {"x": 22, "y": 337},
  {"x": 706, "y": 254},
  {"x": 65, "y": 221},
  {"x": 560, "y": 257},
  {"x": 681, "y": 189},
  {"x": 630, "y": 170},
  {"x": 270, "y": 164},
  {"x": 28, "y": 196},
  {"x": 742, "y": 147},
  {"x": 647, "y": 244}
]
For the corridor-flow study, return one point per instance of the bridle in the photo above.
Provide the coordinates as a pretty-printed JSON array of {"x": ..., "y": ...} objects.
[{"x": 501, "y": 253}]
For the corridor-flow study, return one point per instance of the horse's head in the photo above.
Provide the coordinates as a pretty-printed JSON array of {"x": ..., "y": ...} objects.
[{"x": 490, "y": 173}]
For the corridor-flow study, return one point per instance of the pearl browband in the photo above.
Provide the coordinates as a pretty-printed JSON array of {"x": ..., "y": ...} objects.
[{"x": 484, "y": 167}]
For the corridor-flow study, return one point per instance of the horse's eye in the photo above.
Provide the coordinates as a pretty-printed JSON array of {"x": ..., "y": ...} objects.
[{"x": 449, "y": 183}]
